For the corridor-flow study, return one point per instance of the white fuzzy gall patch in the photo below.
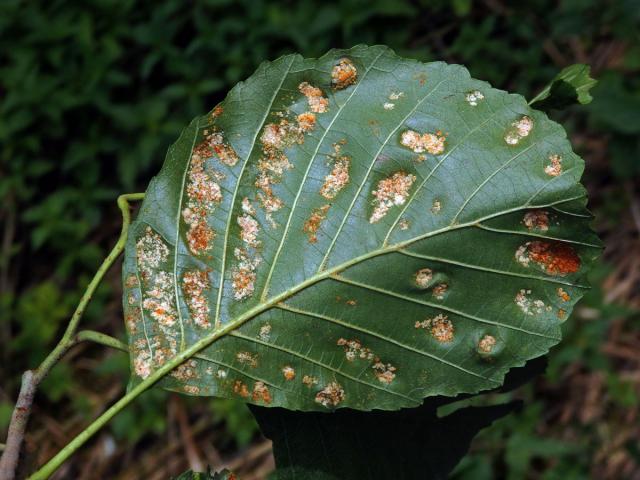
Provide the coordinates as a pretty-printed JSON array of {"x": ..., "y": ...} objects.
[
  {"x": 389, "y": 106},
  {"x": 244, "y": 274},
  {"x": 265, "y": 332},
  {"x": 474, "y": 97},
  {"x": 247, "y": 358},
  {"x": 309, "y": 381},
  {"x": 423, "y": 277},
  {"x": 536, "y": 220},
  {"x": 522, "y": 254},
  {"x": 194, "y": 285},
  {"x": 555, "y": 166},
  {"x": 486, "y": 344},
  {"x": 440, "y": 327},
  {"x": 331, "y": 395},
  {"x": 159, "y": 300},
  {"x": 151, "y": 251},
  {"x": 353, "y": 349},
  {"x": 432, "y": 143},
  {"x": 338, "y": 178},
  {"x": 390, "y": 192},
  {"x": 385, "y": 373},
  {"x": 529, "y": 306},
  {"x": 142, "y": 364},
  {"x": 249, "y": 229},
  {"x": 519, "y": 129},
  {"x": 315, "y": 98}
]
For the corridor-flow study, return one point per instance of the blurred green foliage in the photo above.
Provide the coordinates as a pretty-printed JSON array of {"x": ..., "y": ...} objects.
[{"x": 92, "y": 93}]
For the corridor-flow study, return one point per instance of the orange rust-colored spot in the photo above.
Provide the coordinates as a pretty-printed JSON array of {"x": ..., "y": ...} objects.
[
  {"x": 561, "y": 313},
  {"x": 440, "y": 290},
  {"x": 563, "y": 294},
  {"x": 307, "y": 121},
  {"x": 239, "y": 388},
  {"x": 555, "y": 258},
  {"x": 343, "y": 74},
  {"x": 200, "y": 236},
  {"x": 217, "y": 111},
  {"x": 225, "y": 152},
  {"x": 312, "y": 225},
  {"x": 261, "y": 392},
  {"x": 421, "y": 77},
  {"x": 351, "y": 303},
  {"x": 288, "y": 372},
  {"x": 317, "y": 102}
]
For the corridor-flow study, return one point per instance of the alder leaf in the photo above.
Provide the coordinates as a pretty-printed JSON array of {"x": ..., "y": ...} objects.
[
  {"x": 352, "y": 445},
  {"x": 358, "y": 230}
]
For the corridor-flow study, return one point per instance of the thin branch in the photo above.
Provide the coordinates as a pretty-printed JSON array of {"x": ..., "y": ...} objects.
[
  {"x": 102, "y": 339},
  {"x": 32, "y": 378}
]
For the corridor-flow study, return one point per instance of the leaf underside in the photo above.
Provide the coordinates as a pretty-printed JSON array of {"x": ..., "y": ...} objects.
[{"x": 358, "y": 230}]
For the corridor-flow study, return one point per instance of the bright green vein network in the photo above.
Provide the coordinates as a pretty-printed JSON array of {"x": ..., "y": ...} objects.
[{"x": 358, "y": 230}]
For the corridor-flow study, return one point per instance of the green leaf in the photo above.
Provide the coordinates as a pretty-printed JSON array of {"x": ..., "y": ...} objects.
[
  {"x": 354, "y": 445},
  {"x": 358, "y": 230},
  {"x": 351, "y": 445},
  {"x": 569, "y": 87}
]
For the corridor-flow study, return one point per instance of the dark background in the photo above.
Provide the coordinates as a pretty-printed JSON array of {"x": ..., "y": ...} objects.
[{"x": 91, "y": 95}]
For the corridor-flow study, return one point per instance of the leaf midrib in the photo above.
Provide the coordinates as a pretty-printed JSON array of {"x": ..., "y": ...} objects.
[{"x": 205, "y": 341}]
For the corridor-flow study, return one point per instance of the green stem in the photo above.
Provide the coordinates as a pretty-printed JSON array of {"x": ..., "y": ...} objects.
[
  {"x": 102, "y": 339},
  {"x": 67, "y": 340},
  {"x": 31, "y": 379},
  {"x": 52, "y": 465}
]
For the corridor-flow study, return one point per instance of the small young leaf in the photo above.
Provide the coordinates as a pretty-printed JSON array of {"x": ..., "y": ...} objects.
[
  {"x": 358, "y": 230},
  {"x": 569, "y": 87}
]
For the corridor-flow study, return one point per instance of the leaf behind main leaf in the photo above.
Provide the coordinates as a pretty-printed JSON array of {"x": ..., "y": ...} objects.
[{"x": 358, "y": 230}]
